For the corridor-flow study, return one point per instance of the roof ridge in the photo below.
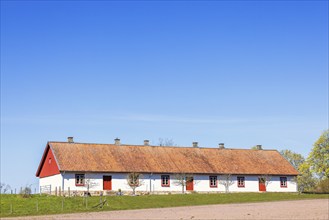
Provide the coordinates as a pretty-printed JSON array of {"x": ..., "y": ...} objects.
[{"x": 200, "y": 147}]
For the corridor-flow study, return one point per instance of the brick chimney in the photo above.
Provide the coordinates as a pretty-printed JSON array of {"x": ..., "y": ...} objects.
[
  {"x": 146, "y": 142},
  {"x": 195, "y": 144},
  {"x": 70, "y": 139},
  {"x": 259, "y": 147},
  {"x": 221, "y": 146},
  {"x": 117, "y": 141}
]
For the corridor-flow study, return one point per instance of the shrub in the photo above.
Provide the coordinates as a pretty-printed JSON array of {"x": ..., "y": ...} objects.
[
  {"x": 323, "y": 186},
  {"x": 26, "y": 192}
]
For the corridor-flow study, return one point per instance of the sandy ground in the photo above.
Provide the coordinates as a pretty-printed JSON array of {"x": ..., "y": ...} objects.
[{"x": 301, "y": 209}]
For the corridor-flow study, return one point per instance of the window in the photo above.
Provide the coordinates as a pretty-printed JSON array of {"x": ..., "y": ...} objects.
[
  {"x": 79, "y": 179},
  {"x": 165, "y": 180},
  {"x": 240, "y": 181},
  {"x": 213, "y": 181},
  {"x": 283, "y": 182},
  {"x": 49, "y": 160}
]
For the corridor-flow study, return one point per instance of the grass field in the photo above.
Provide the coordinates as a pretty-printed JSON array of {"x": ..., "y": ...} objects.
[{"x": 15, "y": 205}]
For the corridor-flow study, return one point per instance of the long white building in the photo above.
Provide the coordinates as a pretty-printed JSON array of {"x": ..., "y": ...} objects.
[{"x": 68, "y": 167}]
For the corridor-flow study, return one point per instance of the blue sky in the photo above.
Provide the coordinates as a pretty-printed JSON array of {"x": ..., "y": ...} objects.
[{"x": 242, "y": 73}]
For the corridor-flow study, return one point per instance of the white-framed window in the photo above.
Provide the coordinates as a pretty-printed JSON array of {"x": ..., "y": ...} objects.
[
  {"x": 240, "y": 181},
  {"x": 165, "y": 180},
  {"x": 79, "y": 179},
  {"x": 213, "y": 181},
  {"x": 283, "y": 182}
]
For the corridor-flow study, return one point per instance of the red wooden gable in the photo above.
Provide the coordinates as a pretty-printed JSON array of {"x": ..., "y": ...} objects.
[{"x": 48, "y": 165}]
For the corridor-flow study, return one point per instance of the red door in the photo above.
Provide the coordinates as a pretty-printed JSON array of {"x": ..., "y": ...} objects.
[
  {"x": 107, "y": 182},
  {"x": 262, "y": 186},
  {"x": 189, "y": 183}
]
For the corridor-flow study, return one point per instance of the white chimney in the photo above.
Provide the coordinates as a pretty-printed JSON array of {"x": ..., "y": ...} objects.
[
  {"x": 117, "y": 141},
  {"x": 195, "y": 144},
  {"x": 146, "y": 142},
  {"x": 259, "y": 147},
  {"x": 70, "y": 139},
  {"x": 221, "y": 146}
]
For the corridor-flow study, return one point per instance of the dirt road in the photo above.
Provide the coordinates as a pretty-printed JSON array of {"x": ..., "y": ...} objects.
[{"x": 301, "y": 209}]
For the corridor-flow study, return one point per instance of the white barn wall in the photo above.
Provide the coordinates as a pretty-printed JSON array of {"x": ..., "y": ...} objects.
[
  {"x": 201, "y": 183},
  {"x": 251, "y": 184},
  {"x": 54, "y": 181},
  {"x": 274, "y": 185},
  {"x": 119, "y": 181},
  {"x": 156, "y": 184}
]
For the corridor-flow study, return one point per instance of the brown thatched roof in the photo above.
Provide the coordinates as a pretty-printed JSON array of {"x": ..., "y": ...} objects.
[{"x": 82, "y": 157}]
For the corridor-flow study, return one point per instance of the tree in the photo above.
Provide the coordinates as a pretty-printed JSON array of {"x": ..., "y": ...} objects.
[
  {"x": 166, "y": 142},
  {"x": 323, "y": 186},
  {"x": 226, "y": 181},
  {"x": 26, "y": 191},
  {"x": 305, "y": 181},
  {"x": 319, "y": 156},
  {"x": 181, "y": 179},
  {"x": 293, "y": 158},
  {"x": 90, "y": 183},
  {"x": 134, "y": 180},
  {"x": 4, "y": 187}
]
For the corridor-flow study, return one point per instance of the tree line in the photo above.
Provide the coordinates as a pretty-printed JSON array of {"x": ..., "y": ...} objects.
[{"x": 314, "y": 170}]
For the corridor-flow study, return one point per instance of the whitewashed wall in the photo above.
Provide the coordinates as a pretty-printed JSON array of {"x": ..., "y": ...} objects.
[
  {"x": 251, "y": 184},
  {"x": 153, "y": 183},
  {"x": 119, "y": 181},
  {"x": 202, "y": 184},
  {"x": 274, "y": 185},
  {"x": 54, "y": 181}
]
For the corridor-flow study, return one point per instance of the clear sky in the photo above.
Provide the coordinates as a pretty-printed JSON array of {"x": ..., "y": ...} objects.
[{"x": 242, "y": 73}]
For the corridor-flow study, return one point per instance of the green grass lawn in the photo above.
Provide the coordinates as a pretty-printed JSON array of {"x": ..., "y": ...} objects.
[{"x": 15, "y": 205}]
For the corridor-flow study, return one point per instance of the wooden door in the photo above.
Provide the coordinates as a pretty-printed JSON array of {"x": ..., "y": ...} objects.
[
  {"x": 189, "y": 183},
  {"x": 107, "y": 182},
  {"x": 262, "y": 186}
]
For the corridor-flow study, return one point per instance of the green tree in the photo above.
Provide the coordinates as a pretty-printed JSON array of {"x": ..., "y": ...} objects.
[
  {"x": 305, "y": 181},
  {"x": 293, "y": 158},
  {"x": 318, "y": 159}
]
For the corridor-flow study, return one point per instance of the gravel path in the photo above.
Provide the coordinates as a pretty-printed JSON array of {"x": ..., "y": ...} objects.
[{"x": 300, "y": 209}]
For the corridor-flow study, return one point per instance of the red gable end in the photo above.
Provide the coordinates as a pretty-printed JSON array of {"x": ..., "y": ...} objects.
[{"x": 48, "y": 165}]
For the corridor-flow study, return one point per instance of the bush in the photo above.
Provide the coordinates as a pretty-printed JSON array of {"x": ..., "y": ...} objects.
[
  {"x": 322, "y": 186},
  {"x": 26, "y": 192}
]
